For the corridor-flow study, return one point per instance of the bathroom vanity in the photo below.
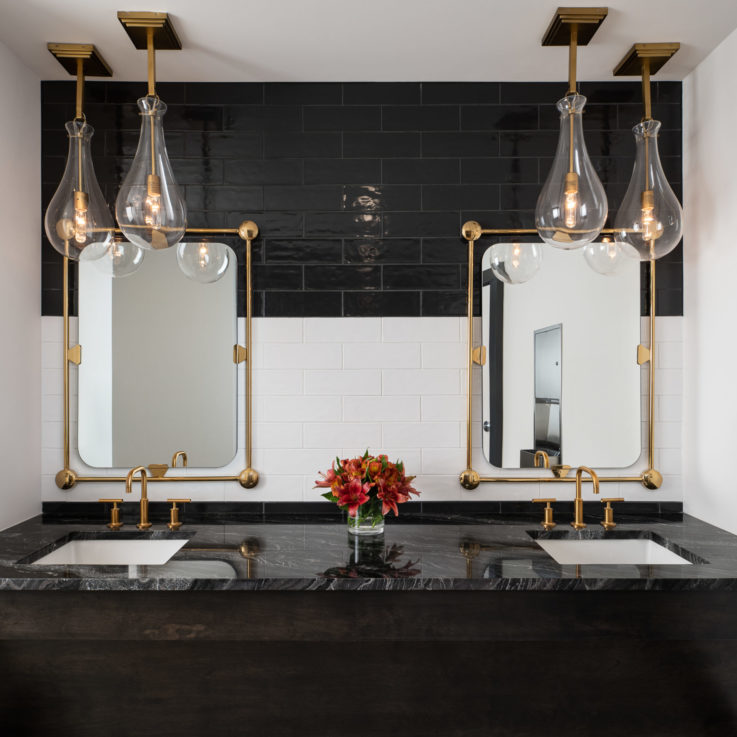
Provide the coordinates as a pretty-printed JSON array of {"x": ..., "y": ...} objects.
[{"x": 285, "y": 627}]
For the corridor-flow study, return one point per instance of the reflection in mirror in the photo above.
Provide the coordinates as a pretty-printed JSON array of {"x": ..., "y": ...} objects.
[
  {"x": 157, "y": 372},
  {"x": 561, "y": 374}
]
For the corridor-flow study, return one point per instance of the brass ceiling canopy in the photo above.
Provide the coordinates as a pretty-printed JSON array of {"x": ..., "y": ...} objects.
[
  {"x": 136, "y": 25},
  {"x": 68, "y": 54},
  {"x": 586, "y": 20},
  {"x": 656, "y": 53}
]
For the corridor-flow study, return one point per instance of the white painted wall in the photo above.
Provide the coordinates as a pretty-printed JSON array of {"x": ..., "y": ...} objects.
[
  {"x": 20, "y": 286},
  {"x": 324, "y": 386},
  {"x": 710, "y": 300}
]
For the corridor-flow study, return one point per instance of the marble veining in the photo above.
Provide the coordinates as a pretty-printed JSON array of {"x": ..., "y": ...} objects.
[{"x": 453, "y": 553}]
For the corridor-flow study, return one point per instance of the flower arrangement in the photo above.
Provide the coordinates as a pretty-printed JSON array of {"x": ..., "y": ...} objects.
[{"x": 367, "y": 487}]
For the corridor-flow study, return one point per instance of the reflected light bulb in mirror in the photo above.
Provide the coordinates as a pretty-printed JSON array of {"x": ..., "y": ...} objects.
[
  {"x": 604, "y": 257},
  {"x": 515, "y": 263},
  {"x": 150, "y": 208},
  {"x": 649, "y": 222},
  {"x": 78, "y": 216},
  {"x": 119, "y": 259},
  {"x": 572, "y": 206},
  {"x": 203, "y": 262}
]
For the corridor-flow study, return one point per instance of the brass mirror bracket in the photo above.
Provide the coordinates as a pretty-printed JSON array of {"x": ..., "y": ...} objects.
[
  {"x": 249, "y": 477},
  {"x": 470, "y": 479}
]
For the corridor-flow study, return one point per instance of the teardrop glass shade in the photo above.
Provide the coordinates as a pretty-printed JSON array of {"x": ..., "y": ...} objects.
[
  {"x": 649, "y": 222},
  {"x": 572, "y": 206},
  {"x": 150, "y": 208},
  {"x": 604, "y": 257},
  {"x": 78, "y": 215},
  {"x": 203, "y": 262},
  {"x": 515, "y": 263},
  {"x": 119, "y": 259}
]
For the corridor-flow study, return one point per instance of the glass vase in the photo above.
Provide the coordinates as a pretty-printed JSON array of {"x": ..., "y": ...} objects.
[{"x": 368, "y": 520}]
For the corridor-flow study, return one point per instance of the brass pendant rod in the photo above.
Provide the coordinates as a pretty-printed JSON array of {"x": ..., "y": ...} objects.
[
  {"x": 151, "y": 49},
  {"x": 646, "y": 101},
  {"x": 551, "y": 479},
  {"x": 572, "y": 53},
  {"x": 153, "y": 479},
  {"x": 532, "y": 231},
  {"x": 80, "y": 88}
]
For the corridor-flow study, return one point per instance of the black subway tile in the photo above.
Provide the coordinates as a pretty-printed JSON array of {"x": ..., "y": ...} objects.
[
  {"x": 219, "y": 93},
  {"x": 303, "y": 304},
  {"x": 240, "y": 145},
  {"x": 451, "y": 250},
  {"x": 422, "y": 276},
  {"x": 413, "y": 224},
  {"x": 265, "y": 171},
  {"x": 343, "y": 224},
  {"x": 280, "y": 224},
  {"x": 382, "y": 145},
  {"x": 451, "y": 303},
  {"x": 467, "y": 143},
  {"x": 194, "y": 118},
  {"x": 499, "y": 117},
  {"x": 669, "y": 115},
  {"x": 421, "y": 118},
  {"x": 381, "y": 93},
  {"x": 519, "y": 196},
  {"x": 303, "y": 93},
  {"x": 608, "y": 92},
  {"x": 382, "y": 251},
  {"x": 509, "y": 169},
  {"x": 294, "y": 145},
  {"x": 342, "y": 171},
  {"x": 198, "y": 171},
  {"x": 381, "y": 197},
  {"x": 460, "y": 92},
  {"x": 528, "y": 143},
  {"x": 421, "y": 171},
  {"x": 343, "y": 277},
  {"x": 299, "y": 197},
  {"x": 263, "y": 117},
  {"x": 458, "y": 196},
  {"x": 342, "y": 118},
  {"x": 303, "y": 250},
  {"x": 521, "y": 93},
  {"x": 381, "y": 304},
  {"x": 224, "y": 198},
  {"x": 668, "y": 92},
  {"x": 277, "y": 277}
]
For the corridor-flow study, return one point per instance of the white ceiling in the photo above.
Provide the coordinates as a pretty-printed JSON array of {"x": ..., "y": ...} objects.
[{"x": 362, "y": 40}]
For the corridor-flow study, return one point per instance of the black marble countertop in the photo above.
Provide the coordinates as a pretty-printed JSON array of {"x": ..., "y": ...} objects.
[{"x": 452, "y": 553}]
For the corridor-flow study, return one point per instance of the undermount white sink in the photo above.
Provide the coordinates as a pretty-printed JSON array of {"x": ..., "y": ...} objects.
[
  {"x": 611, "y": 552},
  {"x": 106, "y": 552}
]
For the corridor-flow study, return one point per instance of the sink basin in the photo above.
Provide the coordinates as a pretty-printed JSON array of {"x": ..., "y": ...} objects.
[
  {"x": 112, "y": 552},
  {"x": 611, "y": 552}
]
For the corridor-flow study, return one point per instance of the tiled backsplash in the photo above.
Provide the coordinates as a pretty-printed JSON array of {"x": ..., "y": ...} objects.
[
  {"x": 336, "y": 385},
  {"x": 360, "y": 190}
]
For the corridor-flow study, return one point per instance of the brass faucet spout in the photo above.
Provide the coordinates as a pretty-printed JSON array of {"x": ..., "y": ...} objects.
[
  {"x": 143, "y": 524},
  {"x": 578, "y": 523}
]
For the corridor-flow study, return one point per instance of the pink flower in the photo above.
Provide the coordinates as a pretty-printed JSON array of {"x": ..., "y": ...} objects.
[
  {"x": 352, "y": 495},
  {"x": 328, "y": 479}
]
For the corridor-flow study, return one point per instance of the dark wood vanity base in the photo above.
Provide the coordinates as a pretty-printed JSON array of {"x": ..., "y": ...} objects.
[{"x": 503, "y": 663}]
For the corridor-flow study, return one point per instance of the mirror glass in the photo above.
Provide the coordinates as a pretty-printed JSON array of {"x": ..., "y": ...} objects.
[
  {"x": 561, "y": 373},
  {"x": 157, "y": 372}
]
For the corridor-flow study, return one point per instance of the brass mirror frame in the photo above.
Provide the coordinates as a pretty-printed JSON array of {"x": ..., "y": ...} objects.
[
  {"x": 470, "y": 479},
  {"x": 248, "y": 478}
]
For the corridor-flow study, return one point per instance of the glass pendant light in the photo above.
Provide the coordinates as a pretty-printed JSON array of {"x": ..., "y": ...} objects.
[
  {"x": 649, "y": 222},
  {"x": 204, "y": 262},
  {"x": 78, "y": 215},
  {"x": 515, "y": 263},
  {"x": 150, "y": 208},
  {"x": 121, "y": 258},
  {"x": 604, "y": 257},
  {"x": 572, "y": 207}
]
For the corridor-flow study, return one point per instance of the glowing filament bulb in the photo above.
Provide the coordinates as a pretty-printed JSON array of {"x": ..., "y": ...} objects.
[
  {"x": 81, "y": 203},
  {"x": 204, "y": 255},
  {"x": 515, "y": 256},
  {"x": 570, "y": 200},
  {"x": 651, "y": 228},
  {"x": 152, "y": 204}
]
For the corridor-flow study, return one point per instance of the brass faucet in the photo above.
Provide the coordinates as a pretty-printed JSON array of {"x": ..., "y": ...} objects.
[
  {"x": 578, "y": 523},
  {"x": 179, "y": 454},
  {"x": 144, "y": 524},
  {"x": 541, "y": 455}
]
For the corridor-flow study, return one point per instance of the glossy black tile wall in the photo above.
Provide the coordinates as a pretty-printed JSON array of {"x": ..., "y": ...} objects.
[{"x": 360, "y": 189}]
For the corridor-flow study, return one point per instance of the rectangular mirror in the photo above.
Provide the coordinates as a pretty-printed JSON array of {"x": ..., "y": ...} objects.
[
  {"x": 561, "y": 374},
  {"x": 157, "y": 372}
]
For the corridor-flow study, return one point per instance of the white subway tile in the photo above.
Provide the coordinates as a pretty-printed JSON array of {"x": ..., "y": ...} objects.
[
  {"x": 276, "y": 382},
  {"x": 52, "y": 435},
  {"x": 52, "y": 408},
  {"x": 668, "y": 329},
  {"x": 277, "y": 435},
  {"x": 300, "y": 355},
  {"x": 402, "y": 382},
  {"x": 343, "y": 382},
  {"x": 277, "y": 330},
  {"x": 299, "y": 409},
  {"x": 52, "y": 329},
  {"x": 52, "y": 356},
  {"x": 670, "y": 408},
  {"x": 670, "y": 355},
  {"x": 380, "y": 409},
  {"x": 420, "y": 329},
  {"x": 444, "y": 408},
  {"x": 476, "y": 380},
  {"x": 342, "y": 330},
  {"x": 442, "y": 461},
  {"x": 444, "y": 355},
  {"x": 422, "y": 434},
  {"x": 669, "y": 461},
  {"x": 335, "y": 434},
  {"x": 668, "y": 381},
  {"x": 305, "y": 462},
  {"x": 435, "y": 488},
  {"x": 52, "y": 381},
  {"x": 668, "y": 435},
  {"x": 381, "y": 355}
]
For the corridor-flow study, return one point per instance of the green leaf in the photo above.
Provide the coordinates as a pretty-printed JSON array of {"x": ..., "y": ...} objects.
[{"x": 328, "y": 495}]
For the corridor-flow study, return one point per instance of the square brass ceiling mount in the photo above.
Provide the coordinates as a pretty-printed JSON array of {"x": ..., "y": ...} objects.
[
  {"x": 587, "y": 21},
  {"x": 657, "y": 53},
  {"x": 67, "y": 55},
  {"x": 135, "y": 24}
]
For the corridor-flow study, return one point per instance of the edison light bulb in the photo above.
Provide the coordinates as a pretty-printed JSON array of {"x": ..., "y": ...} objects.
[
  {"x": 649, "y": 221},
  {"x": 572, "y": 206},
  {"x": 150, "y": 208},
  {"x": 604, "y": 257},
  {"x": 117, "y": 259},
  {"x": 203, "y": 262},
  {"x": 515, "y": 263},
  {"x": 78, "y": 215}
]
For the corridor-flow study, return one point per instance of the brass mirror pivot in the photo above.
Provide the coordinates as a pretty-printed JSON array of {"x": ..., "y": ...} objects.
[
  {"x": 470, "y": 479},
  {"x": 248, "y": 230},
  {"x": 66, "y": 478},
  {"x": 471, "y": 230},
  {"x": 651, "y": 479},
  {"x": 248, "y": 478}
]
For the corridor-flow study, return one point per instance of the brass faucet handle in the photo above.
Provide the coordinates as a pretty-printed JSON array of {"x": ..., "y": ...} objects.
[
  {"x": 608, "y": 522},
  {"x": 547, "y": 522},
  {"x": 174, "y": 522},
  {"x": 115, "y": 523}
]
